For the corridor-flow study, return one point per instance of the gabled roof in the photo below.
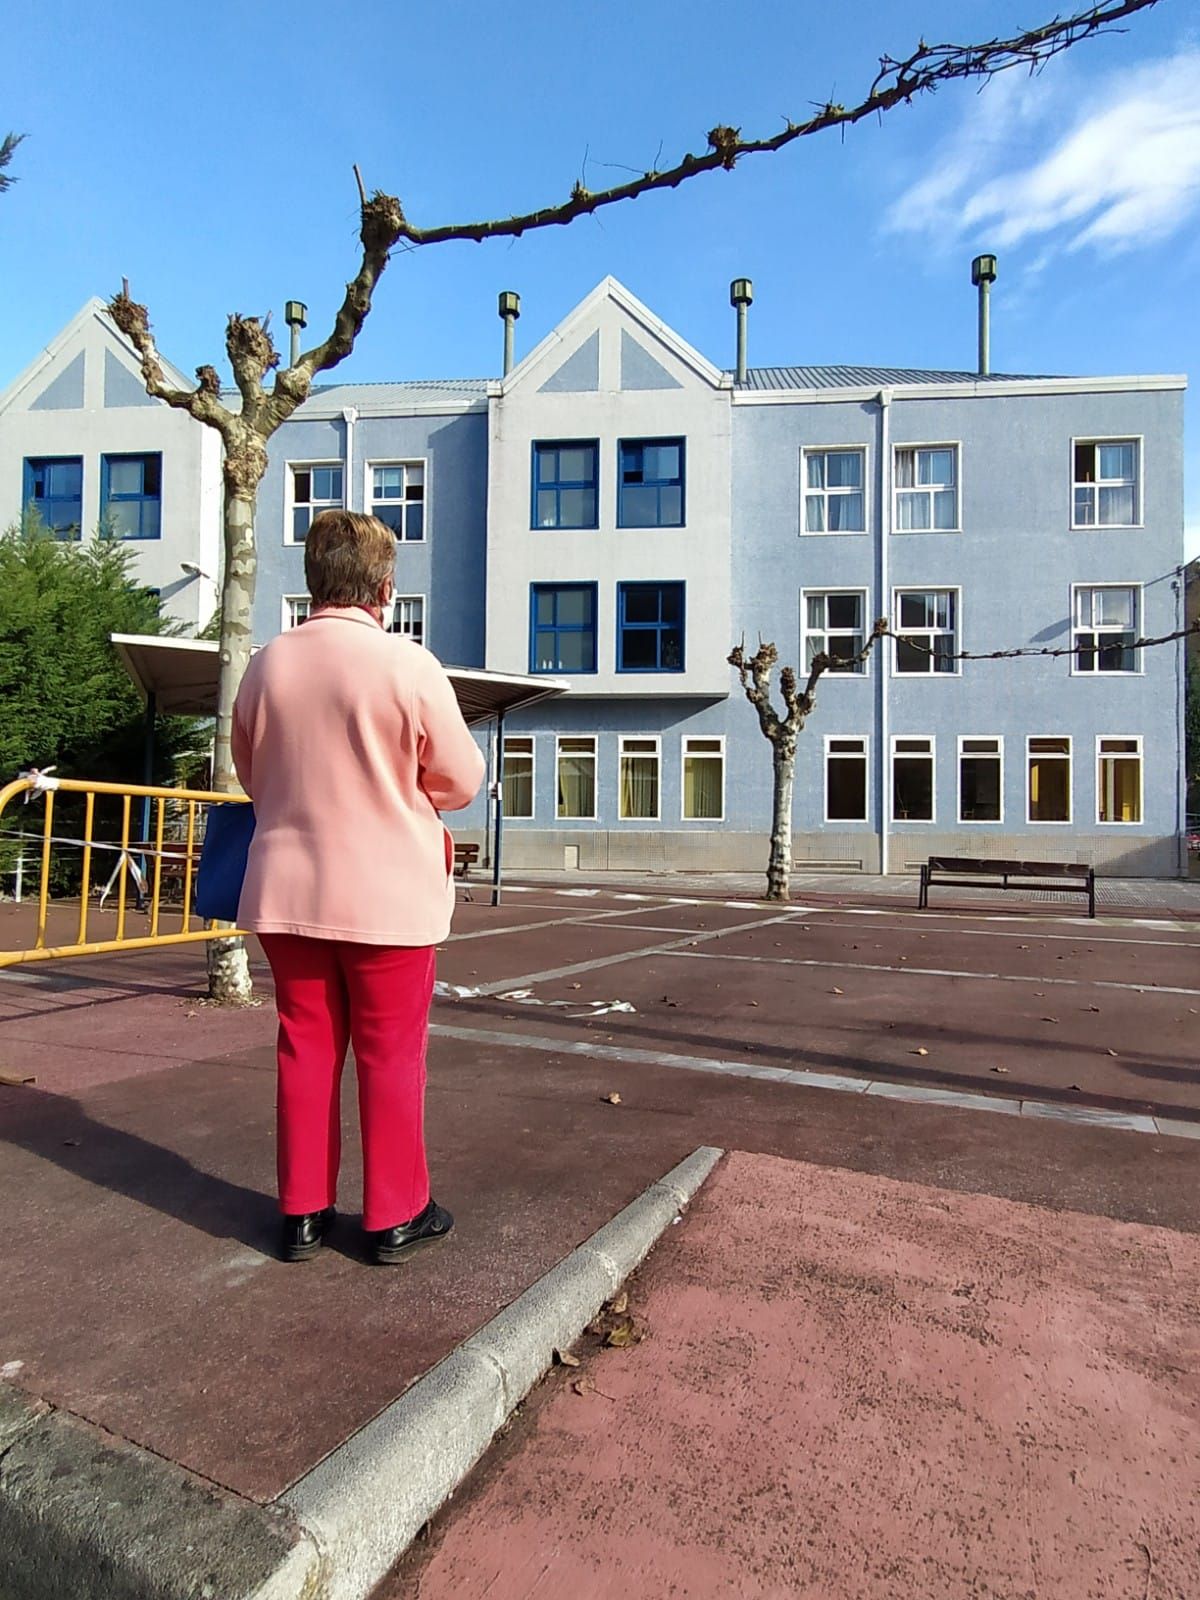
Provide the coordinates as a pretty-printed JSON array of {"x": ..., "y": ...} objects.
[
  {"x": 93, "y": 310},
  {"x": 610, "y": 289}
]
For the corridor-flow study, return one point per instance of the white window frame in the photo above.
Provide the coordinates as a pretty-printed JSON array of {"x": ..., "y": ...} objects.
[
  {"x": 399, "y": 461},
  {"x": 684, "y": 740},
  {"x": 516, "y": 816},
  {"x": 285, "y": 609},
  {"x": 640, "y": 738},
  {"x": 1138, "y": 442},
  {"x": 558, "y": 744},
  {"x": 1138, "y": 629},
  {"x": 897, "y": 491},
  {"x": 863, "y": 669},
  {"x": 933, "y": 588},
  {"x": 396, "y": 600},
  {"x": 1068, "y": 820},
  {"x": 978, "y": 822},
  {"x": 865, "y": 740},
  {"x": 837, "y": 449},
  {"x": 304, "y": 464},
  {"x": 917, "y": 822},
  {"x": 1137, "y": 739}
]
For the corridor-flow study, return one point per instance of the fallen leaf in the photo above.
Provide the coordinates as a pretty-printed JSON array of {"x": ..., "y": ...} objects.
[
  {"x": 1076, "y": 1087},
  {"x": 619, "y": 1303},
  {"x": 566, "y": 1358},
  {"x": 72, "y": 1142},
  {"x": 1093, "y": 1008},
  {"x": 574, "y": 986},
  {"x": 1049, "y": 1019},
  {"x": 999, "y": 1069},
  {"x": 583, "y": 1386},
  {"x": 1112, "y": 1052},
  {"x": 15, "y": 1079},
  {"x": 919, "y": 1051},
  {"x": 751, "y": 1002},
  {"x": 622, "y": 1334},
  {"x": 1022, "y": 947},
  {"x": 613, "y": 1099},
  {"x": 191, "y": 1013},
  {"x": 837, "y": 991}
]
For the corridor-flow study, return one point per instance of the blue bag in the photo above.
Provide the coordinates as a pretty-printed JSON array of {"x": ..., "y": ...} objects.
[{"x": 223, "y": 862}]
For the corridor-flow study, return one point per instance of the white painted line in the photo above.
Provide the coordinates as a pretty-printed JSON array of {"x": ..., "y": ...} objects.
[
  {"x": 1002, "y": 933},
  {"x": 953, "y": 1099},
  {"x": 1091, "y": 1114},
  {"x": 701, "y": 936},
  {"x": 916, "y": 972}
]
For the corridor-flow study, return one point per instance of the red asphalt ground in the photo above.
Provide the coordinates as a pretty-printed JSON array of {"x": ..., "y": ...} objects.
[
  {"x": 136, "y": 1171},
  {"x": 850, "y": 1387}
]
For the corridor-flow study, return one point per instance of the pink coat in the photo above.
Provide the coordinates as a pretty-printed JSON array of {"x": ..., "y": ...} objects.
[{"x": 350, "y": 741}]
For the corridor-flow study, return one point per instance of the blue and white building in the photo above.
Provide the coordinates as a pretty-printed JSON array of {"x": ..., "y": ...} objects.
[{"x": 618, "y": 511}]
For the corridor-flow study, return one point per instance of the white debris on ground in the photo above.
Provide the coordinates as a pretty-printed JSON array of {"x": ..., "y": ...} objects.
[
  {"x": 526, "y": 997},
  {"x": 453, "y": 991}
]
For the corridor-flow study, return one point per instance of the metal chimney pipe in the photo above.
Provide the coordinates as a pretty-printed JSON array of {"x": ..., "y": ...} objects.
[
  {"x": 983, "y": 276},
  {"x": 295, "y": 314},
  {"x": 509, "y": 307},
  {"x": 741, "y": 295}
]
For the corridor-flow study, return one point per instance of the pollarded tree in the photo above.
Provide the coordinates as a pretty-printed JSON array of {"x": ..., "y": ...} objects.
[
  {"x": 783, "y": 731},
  {"x": 245, "y": 428}
]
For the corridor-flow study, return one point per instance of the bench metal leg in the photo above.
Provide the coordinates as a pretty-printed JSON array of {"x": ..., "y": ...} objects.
[
  {"x": 1091, "y": 889},
  {"x": 923, "y": 897}
]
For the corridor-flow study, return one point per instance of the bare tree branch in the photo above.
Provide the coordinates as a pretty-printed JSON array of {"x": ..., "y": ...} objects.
[
  {"x": 1032, "y": 650},
  {"x": 203, "y": 402},
  {"x": 8, "y": 146},
  {"x": 897, "y": 82}
]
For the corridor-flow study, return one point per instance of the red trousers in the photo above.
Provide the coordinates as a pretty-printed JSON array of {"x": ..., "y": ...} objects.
[{"x": 330, "y": 994}]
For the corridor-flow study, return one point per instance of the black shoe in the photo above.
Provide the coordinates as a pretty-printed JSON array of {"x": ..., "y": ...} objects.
[
  {"x": 393, "y": 1244},
  {"x": 304, "y": 1235}
]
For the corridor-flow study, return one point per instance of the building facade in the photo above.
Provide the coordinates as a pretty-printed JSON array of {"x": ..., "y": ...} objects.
[{"x": 619, "y": 512}]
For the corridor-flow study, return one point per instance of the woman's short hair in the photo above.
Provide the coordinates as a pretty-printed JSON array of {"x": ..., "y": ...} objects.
[{"x": 347, "y": 558}]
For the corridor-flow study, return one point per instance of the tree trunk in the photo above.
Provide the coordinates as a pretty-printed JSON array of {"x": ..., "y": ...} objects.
[
  {"x": 779, "y": 863},
  {"x": 228, "y": 965}
]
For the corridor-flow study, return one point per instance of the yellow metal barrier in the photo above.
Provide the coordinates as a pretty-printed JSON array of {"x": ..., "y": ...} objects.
[{"x": 179, "y": 855}]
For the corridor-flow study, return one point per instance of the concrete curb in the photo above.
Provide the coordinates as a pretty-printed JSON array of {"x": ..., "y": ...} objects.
[
  {"x": 85, "y": 1514},
  {"x": 89, "y": 1515},
  {"x": 366, "y": 1502}
]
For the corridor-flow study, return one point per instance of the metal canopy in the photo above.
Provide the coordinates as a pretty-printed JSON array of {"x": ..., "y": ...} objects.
[{"x": 181, "y": 676}]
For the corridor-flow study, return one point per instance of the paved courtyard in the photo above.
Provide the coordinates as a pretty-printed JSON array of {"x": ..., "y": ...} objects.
[{"x": 583, "y": 1043}]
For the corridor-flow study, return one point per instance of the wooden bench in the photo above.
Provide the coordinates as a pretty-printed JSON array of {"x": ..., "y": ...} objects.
[
  {"x": 466, "y": 856},
  {"x": 971, "y": 872}
]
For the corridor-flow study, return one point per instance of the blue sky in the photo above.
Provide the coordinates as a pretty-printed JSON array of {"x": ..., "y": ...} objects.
[{"x": 205, "y": 152}]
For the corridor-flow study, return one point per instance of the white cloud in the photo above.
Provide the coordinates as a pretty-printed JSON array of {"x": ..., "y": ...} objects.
[{"x": 1125, "y": 172}]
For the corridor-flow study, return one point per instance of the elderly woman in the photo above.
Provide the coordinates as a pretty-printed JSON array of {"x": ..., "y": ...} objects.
[{"x": 350, "y": 742}]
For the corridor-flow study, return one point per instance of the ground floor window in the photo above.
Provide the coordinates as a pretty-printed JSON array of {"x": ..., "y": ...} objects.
[
  {"x": 1118, "y": 780},
  {"x": 639, "y": 780},
  {"x": 980, "y": 779},
  {"x": 1049, "y": 778},
  {"x": 703, "y": 778},
  {"x": 845, "y": 779},
  {"x": 576, "y": 777},
  {"x": 517, "y": 776},
  {"x": 912, "y": 779}
]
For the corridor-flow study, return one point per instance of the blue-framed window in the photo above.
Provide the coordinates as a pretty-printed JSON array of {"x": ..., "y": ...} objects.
[
  {"x": 564, "y": 484},
  {"x": 650, "y": 484},
  {"x": 54, "y": 489},
  {"x": 650, "y": 627},
  {"x": 562, "y": 631},
  {"x": 314, "y": 489},
  {"x": 131, "y": 496}
]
